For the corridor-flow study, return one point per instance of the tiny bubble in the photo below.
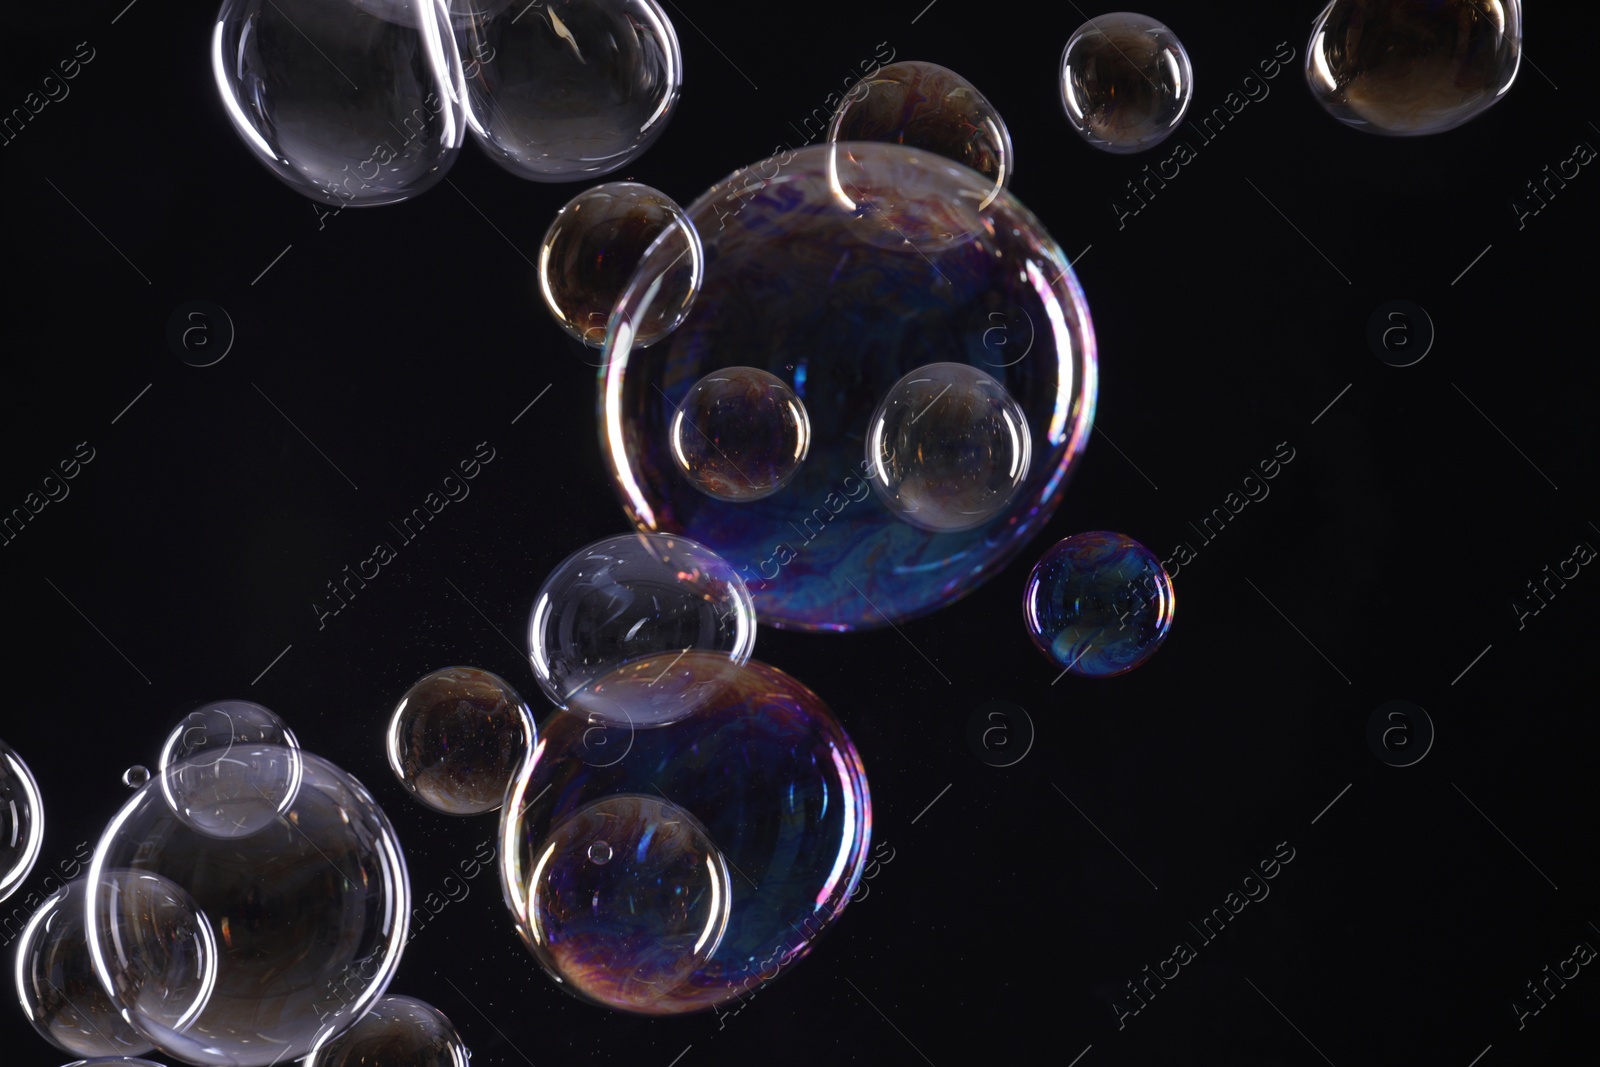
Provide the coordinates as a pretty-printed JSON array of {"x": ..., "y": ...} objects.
[
  {"x": 600, "y": 852},
  {"x": 135, "y": 776}
]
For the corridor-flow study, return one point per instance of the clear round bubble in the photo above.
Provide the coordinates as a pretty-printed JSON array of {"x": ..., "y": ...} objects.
[
  {"x": 948, "y": 448},
  {"x": 841, "y": 269},
  {"x": 57, "y": 986},
  {"x": 1126, "y": 82},
  {"x": 457, "y": 738},
  {"x": 397, "y": 1032},
  {"x": 308, "y": 915},
  {"x": 593, "y": 248},
  {"x": 1409, "y": 67},
  {"x": 1099, "y": 604},
  {"x": 21, "y": 821},
  {"x": 159, "y": 964},
  {"x": 562, "y": 90},
  {"x": 352, "y": 102},
  {"x": 136, "y": 776},
  {"x": 740, "y": 434},
  {"x": 217, "y": 793},
  {"x": 761, "y": 776},
  {"x": 923, "y": 105},
  {"x": 631, "y": 598}
]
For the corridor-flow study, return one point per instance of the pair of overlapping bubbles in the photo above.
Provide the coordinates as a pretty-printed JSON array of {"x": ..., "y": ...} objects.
[{"x": 365, "y": 102}]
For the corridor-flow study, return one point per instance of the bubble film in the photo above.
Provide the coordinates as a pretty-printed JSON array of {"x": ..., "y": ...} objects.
[
  {"x": 840, "y": 269},
  {"x": 627, "y": 598},
  {"x": 57, "y": 987},
  {"x": 568, "y": 89},
  {"x": 21, "y": 821},
  {"x": 594, "y": 246},
  {"x": 1410, "y": 67},
  {"x": 771, "y": 782},
  {"x": 217, "y": 794},
  {"x": 947, "y": 448},
  {"x": 1099, "y": 604},
  {"x": 308, "y": 914},
  {"x": 397, "y": 1032},
  {"x": 1126, "y": 82},
  {"x": 114, "y": 1061},
  {"x": 924, "y": 105},
  {"x": 456, "y": 739},
  {"x": 740, "y": 434},
  {"x": 357, "y": 103}
]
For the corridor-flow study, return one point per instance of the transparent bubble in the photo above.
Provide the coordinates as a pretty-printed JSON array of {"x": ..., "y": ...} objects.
[
  {"x": 1411, "y": 67},
  {"x": 136, "y": 776},
  {"x": 740, "y": 434},
  {"x": 21, "y": 821},
  {"x": 356, "y": 102},
  {"x": 631, "y": 598},
  {"x": 157, "y": 955},
  {"x": 114, "y": 1061},
  {"x": 456, "y": 739},
  {"x": 561, "y": 90},
  {"x": 397, "y": 1032},
  {"x": 308, "y": 915},
  {"x": 761, "y": 776},
  {"x": 1126, "y": 82},
  {"x": 214, "y": 791},
  {"x": 57, "y": 987},
  {"x": 948, "y": 448},
  {"x": 593, "y": 248},
  {"x": 1099, "y": 604},
  {"x": 924, "y": 105},
  {"x": 840, "y": 269}
]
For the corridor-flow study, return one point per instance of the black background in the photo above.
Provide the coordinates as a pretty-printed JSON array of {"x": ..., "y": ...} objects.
[{"x": 1230, "y": 313}]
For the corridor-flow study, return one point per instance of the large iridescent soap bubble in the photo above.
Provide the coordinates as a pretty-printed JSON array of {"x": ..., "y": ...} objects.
[
  {"x": 353, "y": 102},
  {"x": 562, "y": 90},
  {"x": 1410, "y": 67},
  {"x": 1126, "y": 82},
  {"x": 759, "y": 776},
  {"x": 217, "y": 794},
  {"x": 840, "y": 269},
  {"x": 457, "y": 738},
  {"x": 397, "y": 1032},
  {"x": 740, "y": 434},
  {"x": 21, "y": 821},
  {"x": 308, "y": 914},
  {"x": 1099, "y": 604}
]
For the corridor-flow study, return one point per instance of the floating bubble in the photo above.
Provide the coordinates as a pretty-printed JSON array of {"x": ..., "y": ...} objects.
[
  {"x": 595, "y": 245},
  {"x": 308, "y": 915},
  {"x": 840, "y": 269},
  {"x": 760, "y": 776},
  {"x": 1411, "y": 67},
  {"x": 397, "y": 1032},
  {"x": 948, "y": 448},
  {"x": 217, "y": 793},
  {"x": 1099, "y": 604},
  {"x": 57, "y": 987},
  {"x": 352, "y": 103},
  {"x": 1126, "y": 82},
  {"x": 159, "y": 963},
  {"x": 924, "y": 105},
  {"x": 136, "y": 776},
  {"x": 740, "y": 434},
  {"x": 629, "y": 598},
  {"x": 456, "y": 739},
  {"x": 21, "y": 821},
  {"x": 568, "y": 89}
]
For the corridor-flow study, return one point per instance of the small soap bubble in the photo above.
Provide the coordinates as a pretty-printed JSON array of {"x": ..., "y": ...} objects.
[
  {"x": 1099, "y": 604},
  {"x": 136, "y": 776},
  {"x": 223, "y": 796},
  {"x": 600, "y": 852},
  {"x": 740, "y": 434},
  {"x": 21, "y": 821},
  {"x": 397, "y": 1032},
  {"x": 1126, "y": 82},
  {"x": 456, "y": 739}
]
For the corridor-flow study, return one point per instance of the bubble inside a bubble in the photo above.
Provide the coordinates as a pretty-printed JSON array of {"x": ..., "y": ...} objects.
[{"x": 740, "y": 434}]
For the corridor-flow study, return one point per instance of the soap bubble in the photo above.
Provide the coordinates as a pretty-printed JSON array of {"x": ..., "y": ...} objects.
[
  {"x": 562, "y": 90},
  {"x": 1099, "y": 604},
  {"x": 217, "y": 793},
  {"x": 57, "y": 987},
  {"x": 947, "y": 448},
  {"x": 456, "y": 739},
  {"x": 840, "y": 269},
  {"x": 397, "y": 1032},
  {"x": 740, "y": 434},
  {"x": 629, "y": 598},
  {"x": 356, "y": 103},
  {"x": 136, "y": 776},
  {"x": 114, "y": 1061},
  {"x": 1411, "y": 67},
  {"x": 21, "y": 821},
  {"x": 1126, "y": 82},
  {"x": 924, "y": 105},
  {"x": 158, "y": 954},
  {"x": 594, "y": 246},
  {"x": 308, "y": 915},
  {"x": 760, "y": 775}
]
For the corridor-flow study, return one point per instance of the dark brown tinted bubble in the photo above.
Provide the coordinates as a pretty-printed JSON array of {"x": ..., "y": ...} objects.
[
  {"x": 1410, "y": 67},
  {"x": 1126, "y": 82},
  {"x": 457, "y": 738},
  {"x": 397, "y": 1032}
]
